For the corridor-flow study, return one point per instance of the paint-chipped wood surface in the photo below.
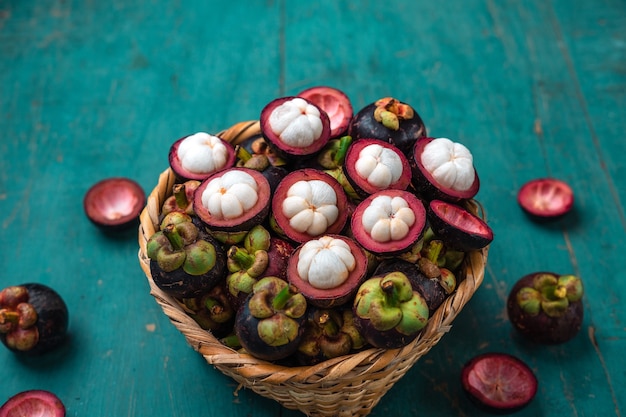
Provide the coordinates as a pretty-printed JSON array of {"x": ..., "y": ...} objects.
[{"x": 90, "y": 90}]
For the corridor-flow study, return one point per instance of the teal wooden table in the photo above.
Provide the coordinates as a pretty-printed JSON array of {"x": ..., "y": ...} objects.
[{"x": 90, "y": 90}]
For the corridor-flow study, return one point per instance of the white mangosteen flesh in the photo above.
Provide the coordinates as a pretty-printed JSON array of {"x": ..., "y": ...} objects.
[
  {"x": 388, "y": 218},
  {"x": 380, "y": 166},
  {"x": 230, "y": 195},
  {"x": 311, "y": 206},
  {"x": 202, "y": 153},
  {"x": 325, "y": 262},
  {"x": 450, "y": 163},
  {"x": 297, "y": 123}
]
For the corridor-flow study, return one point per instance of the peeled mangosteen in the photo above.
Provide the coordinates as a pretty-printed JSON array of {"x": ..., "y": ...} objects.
[
  {"x": 33, "y": 319},
  {"x": 443, "y": 169},
  {"x": 546, "y": 198},
  {"x": 294, "y": 126},
  {"x": 185, "y": 261},
  {"x": 498, "y": 382},
  {"x": 269, "y": 325},
  {"x": 388, "y": 222},
  {"x": 198, "y": 156},
  {"x": 33, "y": 403},
  {"x": 389, "y": 120},
  {"x": 388, "y": 312},
  {"x": 335, "y": 103},
  {"x": 327, "y": 270},
  {"x": 372, "y": 165},
  {"x": 546, "y": 308},
  {"x": 328, "y": 333},
  {"x": 309, "y": 203},
  {"x": 233, "y": 200},
  {"x": 457, "y": 227}
]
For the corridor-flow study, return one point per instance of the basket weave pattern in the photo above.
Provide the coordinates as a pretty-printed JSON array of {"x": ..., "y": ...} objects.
[{"x": 346, "y": 386}]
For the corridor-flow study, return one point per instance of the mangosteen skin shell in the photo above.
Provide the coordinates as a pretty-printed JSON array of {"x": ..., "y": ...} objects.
[
  {"x": 364, "y": 125},
  {"x": 52, "y": 320},
  {"x": 246, "y": 329},
  {"x": 433, "y": 293},
  {"x": 98, "y": 198},
  {"x": 180, "y": 284},
  {"x": 541, "y": 328},
  {"x": 54, "y": 407},
  {"x": 453, "y": 237}
]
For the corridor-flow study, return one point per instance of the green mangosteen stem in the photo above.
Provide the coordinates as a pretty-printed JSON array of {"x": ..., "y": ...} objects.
[
  {"x": 342, "y": 149},
  {"x": 280, "y": 300},
  {"x": 8, "y": 320},
  {"x": 243, "y": 154},
  {"x": 180, "y": 195},
  {"x": 433, "y": 251},
  {"x": 253, "y": 265},
  {"x": 171, "y": 233}
]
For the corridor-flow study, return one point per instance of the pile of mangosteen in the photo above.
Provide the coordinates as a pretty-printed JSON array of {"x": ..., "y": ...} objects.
[{"x": 328, "y": 232}]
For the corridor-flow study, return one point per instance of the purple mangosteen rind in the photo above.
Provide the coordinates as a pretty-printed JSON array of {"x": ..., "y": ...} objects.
[
  {"x": 479, "y": 388},
  {"x": 22, "y": 404},
  {"x": 335, "y": 103},
  {"x": 427, "y": 187},
  {"x": 544, "y": 199},
  {"x": 457, "y": 227},
  {"x": 239, "y": 225},
  {"x": 183, "y": 174},
  {"x": 546, "y": 308},
  {"x": 391, "y": 247},
  {"x": 365, "y": 125},
  {"x": 334, "y": 297},
  {"x": 45, "y": 330},
  {"x": 114, "y": 204},
  {"x": 282, "y": 149},
  {"x": 360, "y": 185}
]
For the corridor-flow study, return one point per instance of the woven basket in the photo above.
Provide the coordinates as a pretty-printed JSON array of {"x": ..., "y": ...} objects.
[{"x": 346, "y": 386}]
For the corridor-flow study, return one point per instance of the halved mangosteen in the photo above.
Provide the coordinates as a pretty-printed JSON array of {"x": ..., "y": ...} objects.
[
  {"x": 114, "y": 204},
  {"x": 34, "y": 402},
  {"x": 389, "y": 222},
  {"x": 389, "y": 120},
  {"x": 294, "y": 126},
  {"x": 372, "y": 165},
  {"x": 309, "y": 203},
  {"x": 457, "y": 227},
  {"x": 335, "y": 103},
  {"x": 328, "y": 270},
  {"x": 443, "y": 169},
  {"x": 198, "y": 156},
  {"x": 233, "y": 200},
  {"x": 545, "y": 198}
]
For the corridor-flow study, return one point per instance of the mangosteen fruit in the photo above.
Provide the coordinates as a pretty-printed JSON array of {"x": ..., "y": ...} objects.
[
  {"x": 546, "y": 308},
  {"x": 546, "y": 198},
  {"x": 198, "y": 156},
  {"x": 114, "y": 204},
  {"x": 185, "y": 261},
  {"x": 212, "y": 310},
  {"x": 181, "y": 198},
  {"x": 327, "y": 270},
  {"x": 458, "y": 228},
  {"x": 40, "y": 403},
  {"x": 498, "y": 382},
  {"x": 309, "y": 203},
  {"x": 294, "y": 126},
  {"x": 33, "y": 319},
  {"x": 233, "y": 200},
  {"x": 389, "y": 120},
  {"x": 388, "y": 222},
  {"x": 335, "y": 103},
  {"x": 372, "y": 165},
  {"x": 443, "y": 169},
  {"x": 269, "y": 324},
  {"x": 328, "y": 333},
  {"x": 388, "y": 312}
]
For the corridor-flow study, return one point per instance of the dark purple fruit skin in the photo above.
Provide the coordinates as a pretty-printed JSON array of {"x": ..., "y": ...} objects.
[
  {"x": 431, "y": 290},
  {"x": 246, "y": 329},
  {"x": 279, "y": 253},
  {"x": 52, "y": 319},
  {"x": 180, "y": 284},
  {"x": 364, "y": 125},
  {"x": 541, "y": 328},
  {"x": 388, "y": 339}
]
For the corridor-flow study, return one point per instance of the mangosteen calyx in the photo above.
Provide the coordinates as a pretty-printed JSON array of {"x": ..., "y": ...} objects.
[
  {"x": 389, "y": 302},
  {"x": 324, "y": 336},
  {"x": 277, "y": 306},
  {"x": 181, "y": 198},
  {"x": 333, "y": 155},
  {"x": 550, "y": 294},
  {"x": 18, "y": 319},
  {"x": 212, "y": 311},
  {"x": 178, "y": 245},
  {"x": 433, "y": 262},
  {"x": 390, "y": 111},
  {"x": 245, "y": 268}
]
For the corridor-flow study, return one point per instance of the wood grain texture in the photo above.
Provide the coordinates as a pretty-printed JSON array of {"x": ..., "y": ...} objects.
[{"x": 90, "y": 90}]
